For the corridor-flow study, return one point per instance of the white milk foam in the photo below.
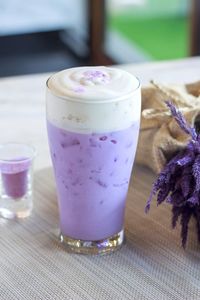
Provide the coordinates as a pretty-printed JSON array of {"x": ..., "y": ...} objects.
[{"x": 93, "y": 99}]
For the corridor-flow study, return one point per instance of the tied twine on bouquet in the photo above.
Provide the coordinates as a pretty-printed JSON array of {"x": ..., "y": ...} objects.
[{"x": 170, "y": 145}]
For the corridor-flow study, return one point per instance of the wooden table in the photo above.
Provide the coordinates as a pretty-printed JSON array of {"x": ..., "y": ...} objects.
[{"x": 152, "y": 264}]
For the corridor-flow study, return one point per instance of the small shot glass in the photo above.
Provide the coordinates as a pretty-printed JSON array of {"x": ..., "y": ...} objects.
[{"x": 16, "y": 176}]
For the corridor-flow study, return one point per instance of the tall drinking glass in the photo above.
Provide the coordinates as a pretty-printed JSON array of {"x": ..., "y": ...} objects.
[{"x": 93, "y": 117}]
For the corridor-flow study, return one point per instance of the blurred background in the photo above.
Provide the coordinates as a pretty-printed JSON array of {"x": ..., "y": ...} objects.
[{"x": 49, "y": 35}]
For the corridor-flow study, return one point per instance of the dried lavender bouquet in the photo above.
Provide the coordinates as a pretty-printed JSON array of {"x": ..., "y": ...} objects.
[{"x": 179, "y": 182}]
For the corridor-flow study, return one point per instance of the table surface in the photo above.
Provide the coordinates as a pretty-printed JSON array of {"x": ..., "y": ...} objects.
[{"x": 151, "y": 265}]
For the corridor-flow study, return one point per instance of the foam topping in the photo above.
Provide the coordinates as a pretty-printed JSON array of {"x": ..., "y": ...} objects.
[{"x": 92, "y": 84}]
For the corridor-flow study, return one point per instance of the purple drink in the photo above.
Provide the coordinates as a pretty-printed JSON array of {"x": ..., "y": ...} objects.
[
  {"x": 15, "y": 185},
  {"x": 92, "y": 173},
  {"x": 15, "y": 180},
  {"x": 93, "y": 117}
]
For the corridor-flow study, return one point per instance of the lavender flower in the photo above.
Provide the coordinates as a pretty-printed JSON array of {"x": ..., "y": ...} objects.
[
  {"x": 196, "y": 172},
  {"x": 181, "y": 120},
  {"x": 179, "y": 182}
]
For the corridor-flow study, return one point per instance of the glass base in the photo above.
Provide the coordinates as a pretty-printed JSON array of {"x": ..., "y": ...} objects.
[
  {"x": 105, "y": 246},
  {"x": 16, "y": 208}
]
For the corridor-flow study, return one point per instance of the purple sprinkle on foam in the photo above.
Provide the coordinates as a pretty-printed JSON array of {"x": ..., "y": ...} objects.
[
  {"x": 79, "y": 89},
  {"x": 96, "y": 74}
]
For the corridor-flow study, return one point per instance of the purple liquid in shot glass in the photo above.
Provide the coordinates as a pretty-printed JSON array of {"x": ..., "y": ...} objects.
[{"x": 14, "y": 175}]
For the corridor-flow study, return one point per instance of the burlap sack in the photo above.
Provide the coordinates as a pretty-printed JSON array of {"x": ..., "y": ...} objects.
[{"x": 160, "y": 136}]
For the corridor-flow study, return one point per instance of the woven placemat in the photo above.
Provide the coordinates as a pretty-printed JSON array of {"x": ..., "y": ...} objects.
[{"x": 151, "y": 265}]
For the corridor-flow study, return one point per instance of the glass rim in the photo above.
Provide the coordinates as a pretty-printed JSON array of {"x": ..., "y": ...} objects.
[
  {"x": 10, "y": 161},
  {"x": 107, "y": 101}
]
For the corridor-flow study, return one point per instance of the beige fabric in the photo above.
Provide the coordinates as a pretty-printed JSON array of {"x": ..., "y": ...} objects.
[{"x": 160, "y": 136}]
